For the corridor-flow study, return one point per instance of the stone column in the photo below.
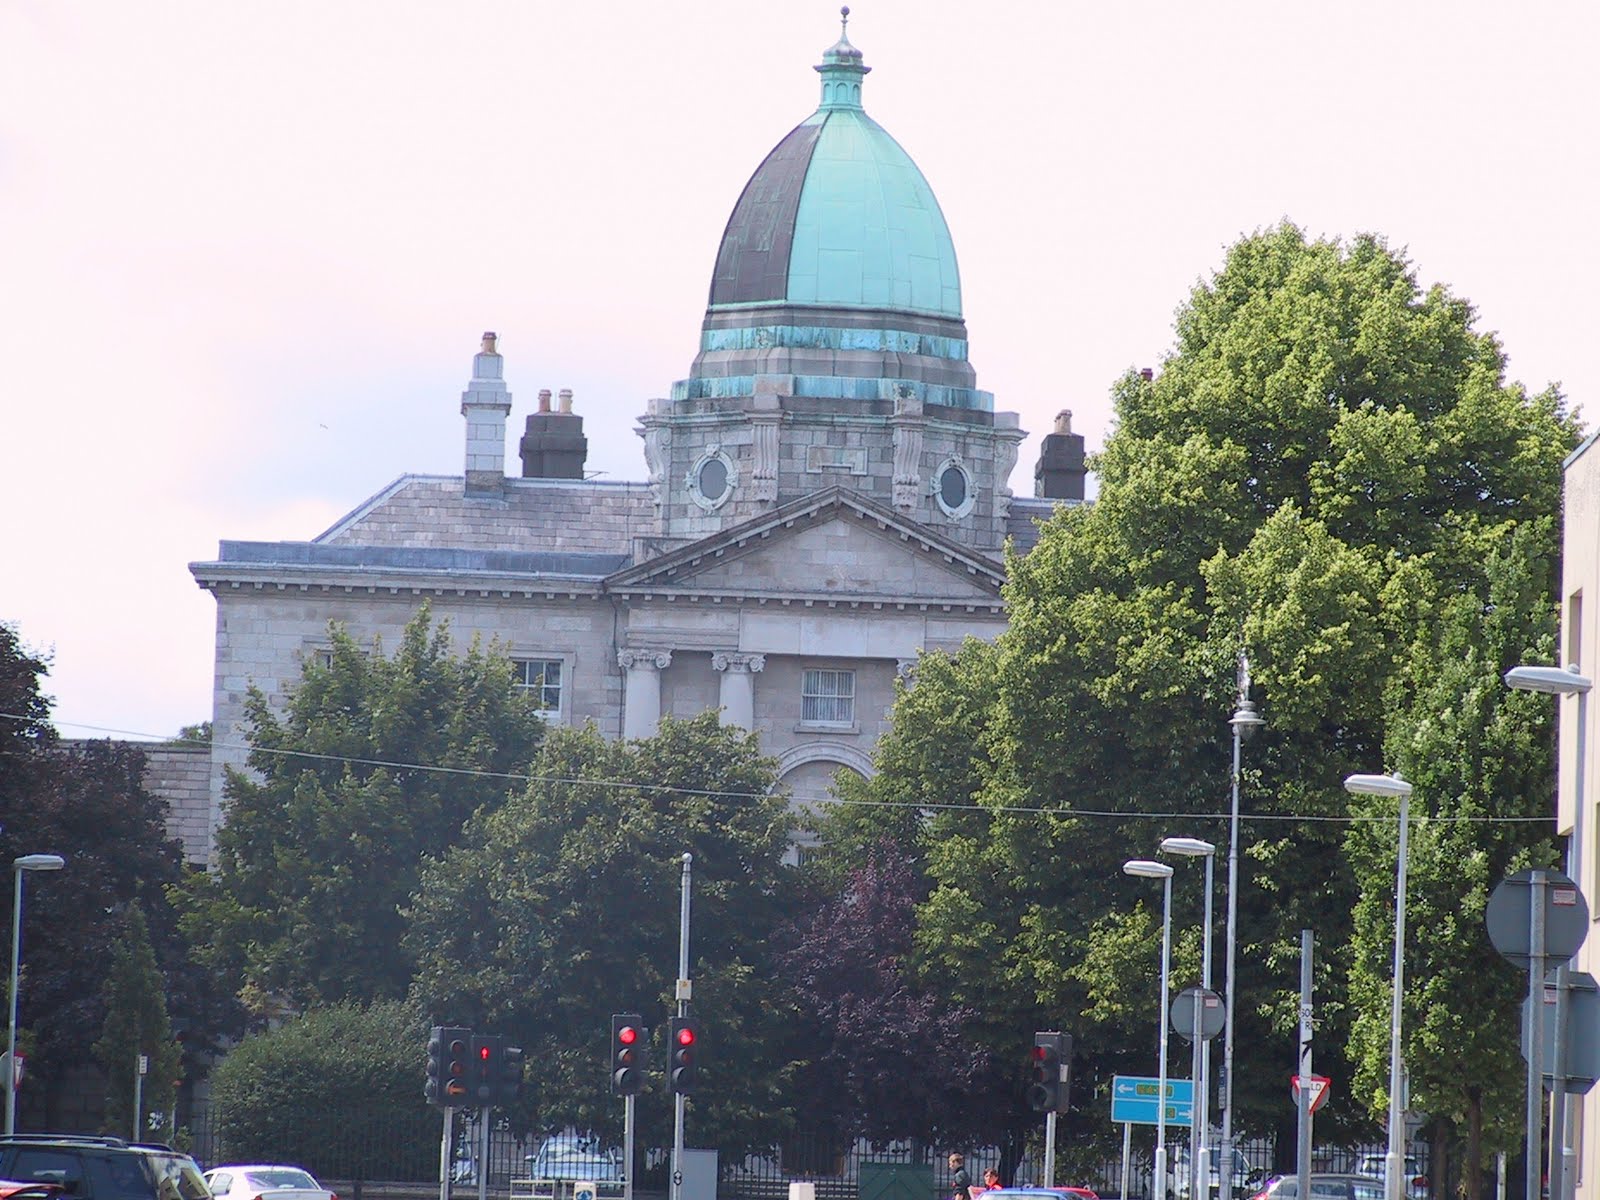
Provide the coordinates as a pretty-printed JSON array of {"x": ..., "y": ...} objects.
[
  {"x": 738, "y": 686},
  {"x": 641, "y": 699}
]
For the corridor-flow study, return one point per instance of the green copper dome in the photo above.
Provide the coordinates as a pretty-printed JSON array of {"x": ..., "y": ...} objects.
[{"x": 838, "y": 216}]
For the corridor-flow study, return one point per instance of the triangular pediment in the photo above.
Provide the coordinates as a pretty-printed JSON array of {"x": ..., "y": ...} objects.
[{"x": 832, "y": 545}]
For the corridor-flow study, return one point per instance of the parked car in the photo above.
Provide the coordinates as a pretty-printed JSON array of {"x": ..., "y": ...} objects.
[
  {"x": 11, "y": 1189},
  {"x": 101, "y": 1168},
  {"x": 1375, "y": 1166},
  {"x": 574, "y": 1158},
  {"x": 1324, "y": 1186},
  {"x": 1246, "y": 1178},
  {"x": 259, "y": 1181},
  {"x": 1036, "y": 1193}
]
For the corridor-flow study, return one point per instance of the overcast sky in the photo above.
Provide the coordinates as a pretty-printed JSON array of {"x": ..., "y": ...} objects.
[{"x": 247, "y": 249}]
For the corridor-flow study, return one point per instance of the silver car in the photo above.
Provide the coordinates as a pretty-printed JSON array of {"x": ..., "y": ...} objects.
[
  {"x": 261, "y": 1181},
  {"x": 1323, "y": 1187}
]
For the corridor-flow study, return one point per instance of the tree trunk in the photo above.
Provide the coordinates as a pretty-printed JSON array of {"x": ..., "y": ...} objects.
[{"x": 1473, "y": 1170}]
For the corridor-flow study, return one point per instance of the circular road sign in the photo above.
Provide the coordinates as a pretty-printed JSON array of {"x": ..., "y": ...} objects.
[
  {"x": 1510, "y": 910},
  {"x": 1184, "y": 1005}
]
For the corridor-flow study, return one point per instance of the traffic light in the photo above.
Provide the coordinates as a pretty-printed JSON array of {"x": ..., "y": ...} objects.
[
  {"x": 1051, "y": 1072},
  {"x": 511, "y": 1061},
  {"x": 684, "y": 1051},
  {"x": 627, "y": 1053},
  {"x": 448, "y": 1051},
  {"x": 485, "y": 1074}
]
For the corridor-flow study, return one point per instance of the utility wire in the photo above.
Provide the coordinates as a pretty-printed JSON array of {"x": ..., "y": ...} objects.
[{"x": 929, "y": 805}]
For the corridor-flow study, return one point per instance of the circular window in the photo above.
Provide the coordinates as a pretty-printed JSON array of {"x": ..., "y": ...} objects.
[
  {"x": 713, "y": 479},
  {"x": 952, "y": 488}
]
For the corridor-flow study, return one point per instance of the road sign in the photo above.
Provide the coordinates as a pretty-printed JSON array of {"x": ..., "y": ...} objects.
[
  {"x": 1134, "y": 1100},
  {"x": 1211, "y": 1013},
  {"x": 1583, "y": 1031},
  {"x": 1319, "y": 1085},
  {"x": 1510, "y": 907}
]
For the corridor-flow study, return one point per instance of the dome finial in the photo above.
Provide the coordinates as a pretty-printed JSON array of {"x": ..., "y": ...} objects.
[{"x": 842, "y": 69}]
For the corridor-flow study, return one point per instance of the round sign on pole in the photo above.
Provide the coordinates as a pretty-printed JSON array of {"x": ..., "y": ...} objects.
[
  {"x": 1183, "y": 1011},
  {"x": 1508, "y": 913}
]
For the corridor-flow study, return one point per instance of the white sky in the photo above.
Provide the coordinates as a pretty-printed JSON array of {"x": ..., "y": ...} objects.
[{"x": 247, "y": 249}]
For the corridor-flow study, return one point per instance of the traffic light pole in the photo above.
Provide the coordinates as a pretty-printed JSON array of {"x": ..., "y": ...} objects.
[
  {"x": 444, "y": 1155},
  {"x": 485, "y": 1119},
  {"x": 684, "y": 994},
  {"x": 1050, "y": 1149},
  {"x": 627, "y": 1145}
]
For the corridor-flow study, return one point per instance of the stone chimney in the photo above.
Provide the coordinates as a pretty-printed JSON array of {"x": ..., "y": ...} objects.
[
  {"x": 553, "y": 445},
  {"x": 1059, "y": 473},
  {"x": 486, "y": 404}
]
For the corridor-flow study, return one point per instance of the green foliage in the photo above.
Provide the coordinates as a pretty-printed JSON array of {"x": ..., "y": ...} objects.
[
  {"x": 374, "y": 762},
  {"x": 338, "y": 1091},
  {"x": 136, "y": 1024},
  {"x": 562, "y": 907},
  {"x": 1326, "y": 463}
]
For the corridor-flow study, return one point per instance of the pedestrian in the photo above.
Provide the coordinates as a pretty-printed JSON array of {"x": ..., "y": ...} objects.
[
  {"x": 991, "y": 1179},
  {"x": 960, "y": 1181}
]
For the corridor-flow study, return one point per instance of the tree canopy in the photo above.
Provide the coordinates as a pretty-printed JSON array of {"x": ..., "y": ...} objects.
[
  {"x": 562, "y": 907},
  {"x": 374, "y": 762},
  {"x": 1327, "y": 461}
]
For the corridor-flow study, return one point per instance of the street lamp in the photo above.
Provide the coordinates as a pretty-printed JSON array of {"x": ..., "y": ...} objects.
[
  {"x": 1200, "y": 1119},
  {"x": 1557, "y": 681},
  {"x": 28, "y": 862},
  {"x": 1245, "y": 721},
  {"x": 1145, "y": 868},
  {"x": 1393, "y": 786}
]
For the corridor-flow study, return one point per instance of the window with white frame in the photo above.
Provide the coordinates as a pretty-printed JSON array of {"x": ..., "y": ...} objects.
[
  {"x": 541, "y": 679},
  {"x": 828, "y": 697}
]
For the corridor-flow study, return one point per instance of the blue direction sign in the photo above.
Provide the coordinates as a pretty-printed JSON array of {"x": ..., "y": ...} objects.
[{"x": 1134, "y": 1100}]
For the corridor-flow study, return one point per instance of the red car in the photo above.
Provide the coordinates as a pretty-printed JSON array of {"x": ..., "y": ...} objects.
[{"x": 10, "y": 1189}]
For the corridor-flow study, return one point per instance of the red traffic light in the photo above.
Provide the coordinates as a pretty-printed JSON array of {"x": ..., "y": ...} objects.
[
  {"x": 1040, "y": 1053},
  {"x": 483, "y": 1053},
  {"x": 686, "y": 1035},
  {"x": 627, "y": 1035}
]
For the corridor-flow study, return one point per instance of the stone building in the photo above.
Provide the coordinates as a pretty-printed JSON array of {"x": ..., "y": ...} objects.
[{"x": 826, "y": 493}]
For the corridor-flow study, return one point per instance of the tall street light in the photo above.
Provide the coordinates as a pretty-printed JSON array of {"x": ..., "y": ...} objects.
[
  {"x": 1245, "y": 721},
  {"x": 1200, "y": 1128},
  {"x": 1147, "y": 869},
  {"x": 1393, "y": 786},
  {"x": 28, "y": 862},
  {"x": 1557, "y": 681}
]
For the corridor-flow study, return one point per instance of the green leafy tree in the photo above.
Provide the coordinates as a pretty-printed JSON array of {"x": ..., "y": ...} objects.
[
  {"x": 562, "y": 907},
  {"x": 338, "y": 1091},
  {"x": 374, "y": 762},
  {"x": 136, "y": 1026},
  {"x": 86, "y": 801},
  {"x": 1328, "y": 452},
  {"x": 1478, "y": 756}
]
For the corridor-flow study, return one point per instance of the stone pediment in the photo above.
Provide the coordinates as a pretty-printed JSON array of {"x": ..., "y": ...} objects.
[{"x": 834, "y": 545}]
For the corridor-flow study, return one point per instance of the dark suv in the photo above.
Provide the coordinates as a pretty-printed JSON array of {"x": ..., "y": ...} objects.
[{"x": 101, "y": 1168}]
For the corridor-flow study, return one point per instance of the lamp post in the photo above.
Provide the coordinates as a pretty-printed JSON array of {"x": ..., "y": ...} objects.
[
  {"x": 1245, "y": 721},
  {"x": 1200, "y": 1127},
  {"x": 1145, "y": 868},
  {"x": 1557, "y": 681},
  {"x": 28, "y": 862},
  {"x": 1393, "y": 785}
]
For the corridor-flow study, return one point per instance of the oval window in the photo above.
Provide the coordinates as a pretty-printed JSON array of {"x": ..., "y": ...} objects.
[
  {"x": 713, "y": 479},
  {"x": 953, "y": 487}
]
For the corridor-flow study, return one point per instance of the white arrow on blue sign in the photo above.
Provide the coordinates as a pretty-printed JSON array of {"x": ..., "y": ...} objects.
[{"x": 1133, "y": 1100}]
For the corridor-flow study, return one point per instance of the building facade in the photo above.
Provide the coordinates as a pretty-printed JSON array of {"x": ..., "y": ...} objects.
[
  {"x": 826, "y": 495},
  {"x": 1575, "y": 762}
]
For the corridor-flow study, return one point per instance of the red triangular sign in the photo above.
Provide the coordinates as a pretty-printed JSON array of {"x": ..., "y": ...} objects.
[{"x": 1319, "y": 1089}]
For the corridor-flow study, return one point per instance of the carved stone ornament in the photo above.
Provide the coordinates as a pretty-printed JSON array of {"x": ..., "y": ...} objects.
[
  {"x": 657, "y": 435},
  {"x": 726, "y": 661},
  {"x": 1005, "y": 458},
  {"x": 764, "y": 447},
  {"x": 908, "y": 425},
  {"x": 634, "y": 658}
]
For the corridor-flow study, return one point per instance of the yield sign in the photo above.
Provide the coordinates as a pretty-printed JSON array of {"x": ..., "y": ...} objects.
[{"x": 1318, "y": 1085}]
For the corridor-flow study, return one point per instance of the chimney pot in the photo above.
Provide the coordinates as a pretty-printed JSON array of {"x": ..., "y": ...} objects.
[
  {"x": 565, "y": 398},
  {"x": 544, "y": 399},
  {"x": 1146, "y": 374}
]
